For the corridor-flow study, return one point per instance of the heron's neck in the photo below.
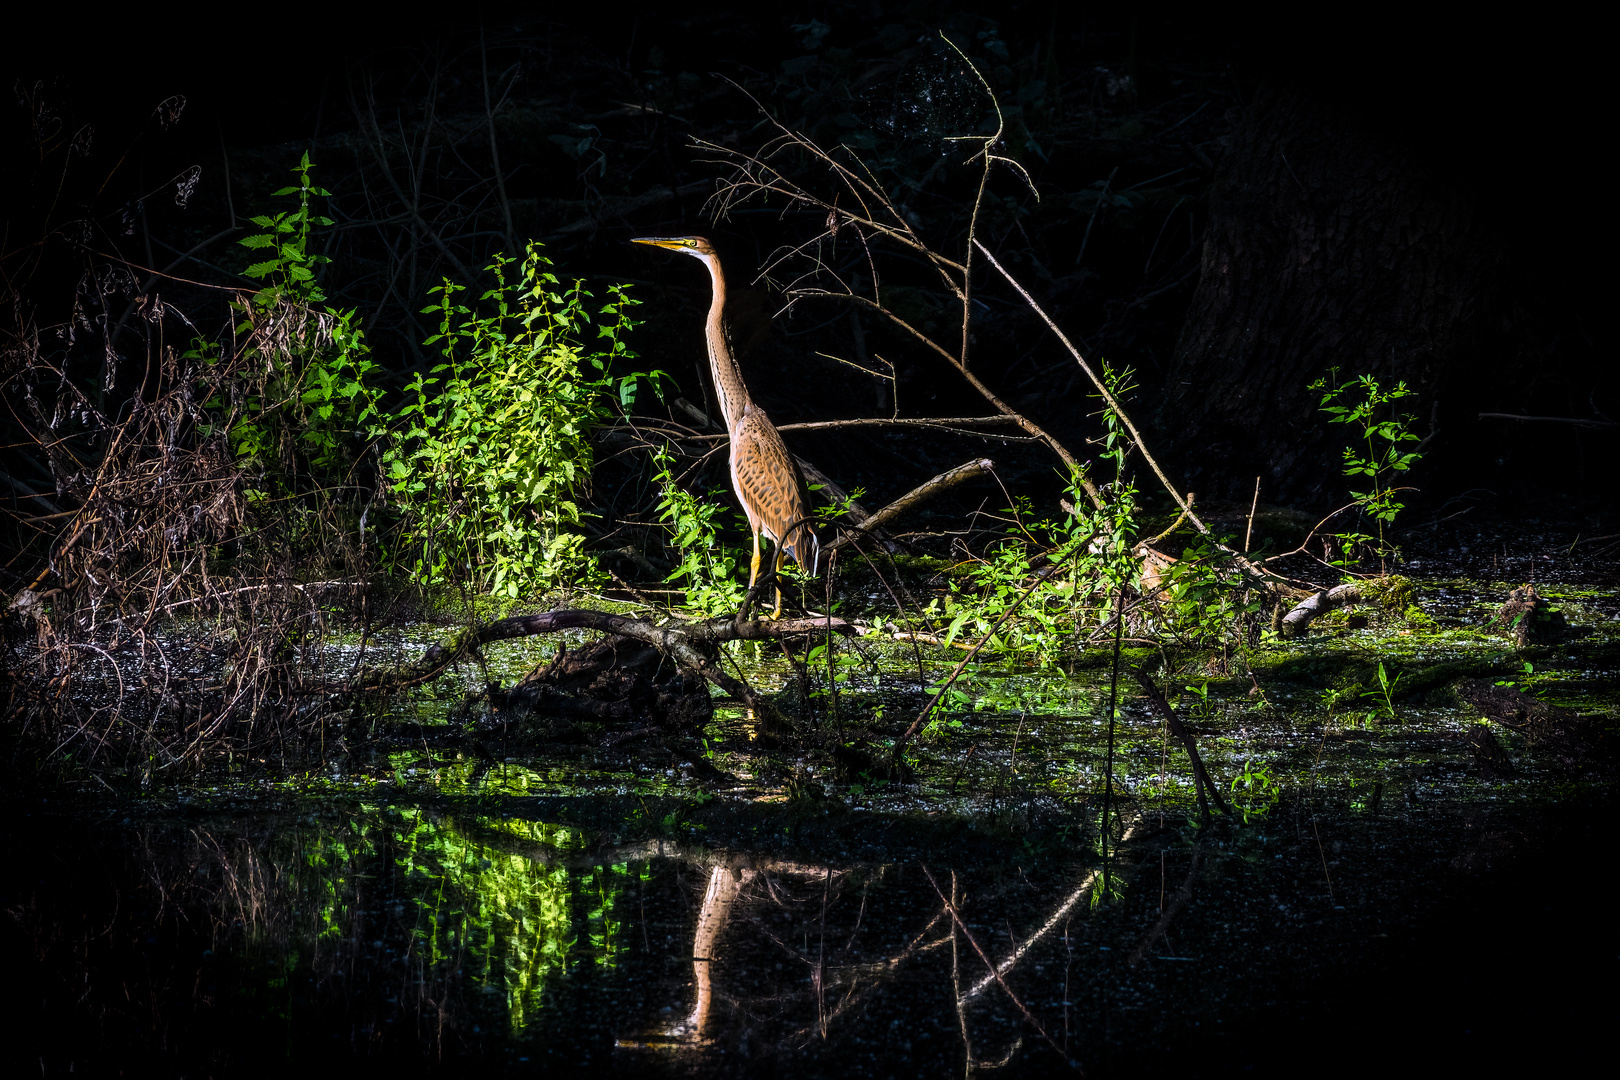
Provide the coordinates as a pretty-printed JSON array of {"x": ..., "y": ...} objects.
[{"x": 728, "y": 382}]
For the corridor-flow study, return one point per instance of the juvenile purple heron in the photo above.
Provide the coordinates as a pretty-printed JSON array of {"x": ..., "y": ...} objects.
[{"x": 764, "y": 475}]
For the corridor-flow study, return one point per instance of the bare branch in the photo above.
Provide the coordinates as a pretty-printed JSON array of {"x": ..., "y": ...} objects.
[
  {"x": 1179, "y": 730},
  {"x": 1262, "y": 576},
  {"x": 1601, "y": 425},
  {"x": 945, "y": 422},
  {"x": 922, "y": 493},
  {"x": 989, "y": 395}
]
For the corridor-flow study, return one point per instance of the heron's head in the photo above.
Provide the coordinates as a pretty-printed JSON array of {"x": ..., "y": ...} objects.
[{"x": 686, "y": 245}]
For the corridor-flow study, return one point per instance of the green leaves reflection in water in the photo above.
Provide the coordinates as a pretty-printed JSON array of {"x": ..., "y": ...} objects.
[{"x": 506, "y": 905}]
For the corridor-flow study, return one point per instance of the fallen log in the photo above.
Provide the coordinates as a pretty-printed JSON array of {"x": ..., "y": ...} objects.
[
  {"x": 615, "y": 681},
  {"x": 1390, "y": 592},
  {"x": 1294, "y": 623},
  {"x": 1577, "y": 744},
  {"x": 692, "y": 647}
]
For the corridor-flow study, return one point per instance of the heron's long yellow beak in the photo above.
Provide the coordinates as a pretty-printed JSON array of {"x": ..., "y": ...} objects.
[{"x": 661, "y": 241}]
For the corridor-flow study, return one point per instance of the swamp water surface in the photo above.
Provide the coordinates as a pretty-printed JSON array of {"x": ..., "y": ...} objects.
[{"x": 1397, "y": 907}]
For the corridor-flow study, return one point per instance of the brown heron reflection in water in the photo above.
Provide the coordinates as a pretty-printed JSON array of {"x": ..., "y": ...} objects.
[
  {"x": 839, "y": 982},
  {"x": 724, "y": 884}
]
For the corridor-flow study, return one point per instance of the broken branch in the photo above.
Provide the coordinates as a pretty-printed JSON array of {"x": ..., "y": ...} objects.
[
  {"x": 922, "y": 493},
  {"x": 1179, "y": 730}
]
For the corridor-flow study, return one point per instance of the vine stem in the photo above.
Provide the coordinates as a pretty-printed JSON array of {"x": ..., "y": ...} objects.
[{"x": 1113, "y": 712}]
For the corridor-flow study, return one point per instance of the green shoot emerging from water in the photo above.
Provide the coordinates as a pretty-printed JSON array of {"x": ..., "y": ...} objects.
[{"x": 1382, "y": 454}]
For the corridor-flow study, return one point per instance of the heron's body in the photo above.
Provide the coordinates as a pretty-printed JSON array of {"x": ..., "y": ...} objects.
[{"x": 767, "y": 480}]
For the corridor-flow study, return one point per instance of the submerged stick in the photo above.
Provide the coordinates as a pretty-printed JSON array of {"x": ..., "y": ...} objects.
[
  {"x": 995, "y": 973},
  {"x": 1059, "y": 914},
  {"x": 1179, "y": 730},
  {"x": 1113, "y": 716},
  {"x": 1177, "y": 902}
]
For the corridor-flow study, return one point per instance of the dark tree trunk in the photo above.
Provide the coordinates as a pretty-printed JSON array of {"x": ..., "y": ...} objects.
[{"x": 1327, "y": 247}]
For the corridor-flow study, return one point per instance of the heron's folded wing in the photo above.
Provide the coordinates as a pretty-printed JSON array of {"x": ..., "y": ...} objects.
[{"x": 768, "y": 480}]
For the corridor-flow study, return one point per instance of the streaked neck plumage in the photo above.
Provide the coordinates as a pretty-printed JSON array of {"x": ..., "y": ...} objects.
[{"x": 728, "y": 382}]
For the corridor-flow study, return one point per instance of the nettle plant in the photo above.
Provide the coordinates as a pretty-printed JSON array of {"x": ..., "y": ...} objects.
[
  {"x": 491, "y": 451},
  {"x": 1381, "y": 453},
  {"x": 303, "y": 399},
  {"x": 708, "y": 569}
]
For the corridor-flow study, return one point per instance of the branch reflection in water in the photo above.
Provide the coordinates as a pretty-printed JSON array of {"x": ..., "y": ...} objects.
[{"x": 431, "y": 934}]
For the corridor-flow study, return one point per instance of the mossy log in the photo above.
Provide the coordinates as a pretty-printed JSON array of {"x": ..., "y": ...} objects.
[
  {"x": 693, "y": 647},
  {"x": 1391, "y": 593}
]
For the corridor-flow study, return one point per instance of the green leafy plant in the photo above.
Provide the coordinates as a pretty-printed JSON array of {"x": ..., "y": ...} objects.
[
  {"x": 1198, "y": 695},
  {"x": 289, "y": 270},
  {"x": 1381, "y": 453},
  {"x": 1527, "y": 670},
  {"x": 708, "y": 570},
  {"x": 1255, "y": 791},
  {"x": 1383, "y": 696},
  {"x": 492, "y": 447},
  {"x": 1202, "y": 601},
  {"x": 1060, "y": 576},
  {"x": 306, "y": 397},
  {"x": 844, "y": 665},
  {"x": 955, "y": 698}
]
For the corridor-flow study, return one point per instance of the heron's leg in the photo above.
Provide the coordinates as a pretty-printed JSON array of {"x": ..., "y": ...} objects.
[
  {"x": 753, "y": 570},
  {"x": 780, "y": 559}
]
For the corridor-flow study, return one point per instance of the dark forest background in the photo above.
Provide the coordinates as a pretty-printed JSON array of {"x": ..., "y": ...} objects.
[{"x": 1231, "y": 208}]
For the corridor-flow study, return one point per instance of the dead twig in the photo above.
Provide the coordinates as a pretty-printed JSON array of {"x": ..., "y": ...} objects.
[
  {"x": 921, "y": 494},
  {"x": 1179, "y": 730},
  {"x": 1600, "y": 425},
  {"x": 1177, "y": 902}
]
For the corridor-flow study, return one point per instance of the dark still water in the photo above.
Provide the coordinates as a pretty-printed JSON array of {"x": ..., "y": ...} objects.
[{"x": 801, "y": 939}]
